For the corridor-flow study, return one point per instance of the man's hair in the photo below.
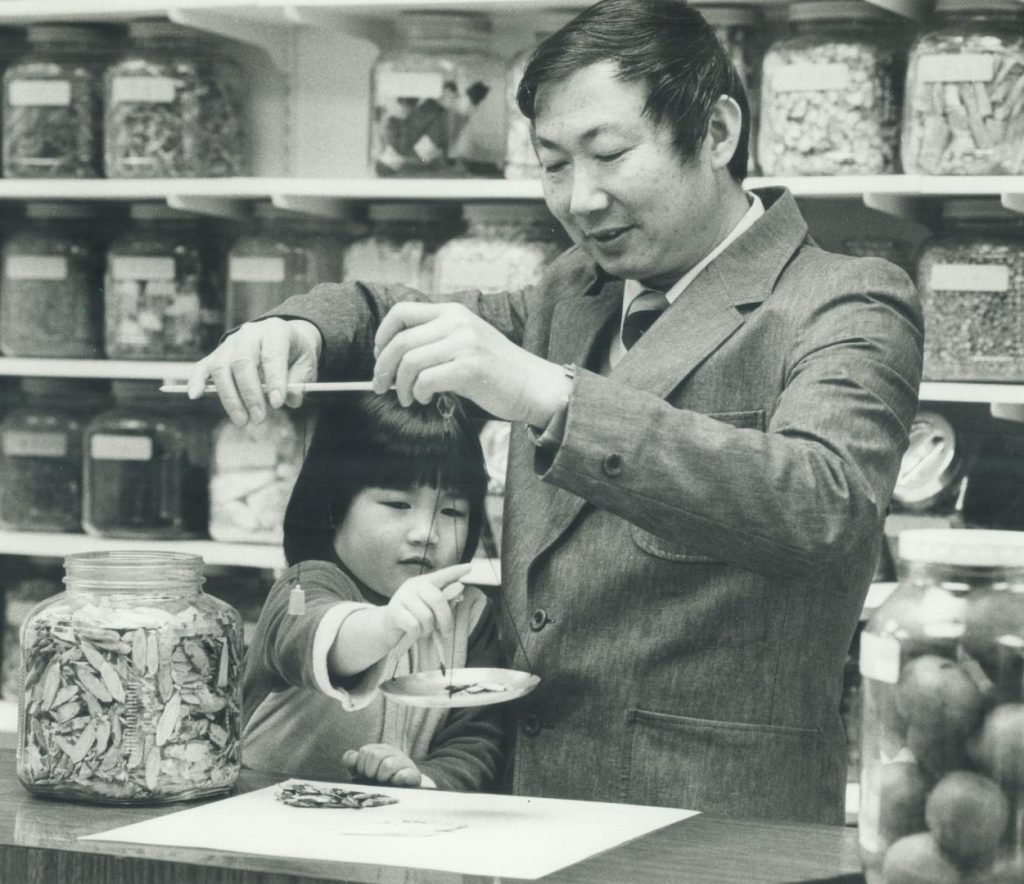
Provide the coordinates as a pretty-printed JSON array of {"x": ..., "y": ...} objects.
[
  {"x": 667, "y": 45},
  {"x": 369, "y": 441}
]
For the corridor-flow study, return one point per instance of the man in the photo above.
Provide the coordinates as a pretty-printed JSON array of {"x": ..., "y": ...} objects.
[{"x": 692, "y": 515}]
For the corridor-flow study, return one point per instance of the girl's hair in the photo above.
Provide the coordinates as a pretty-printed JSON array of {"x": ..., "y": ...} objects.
[{"x": 369, "y": 441}]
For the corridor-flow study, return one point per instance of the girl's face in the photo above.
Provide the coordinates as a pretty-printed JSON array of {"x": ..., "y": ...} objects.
[{"x": 390, "y": 535}]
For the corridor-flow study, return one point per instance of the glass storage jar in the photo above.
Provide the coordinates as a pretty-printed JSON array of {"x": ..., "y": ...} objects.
[
  {"x": 146, "y": 466},
  {"x": 505, "y": 247},
  {"x": 51, "y": 293},
  {"x": 52, "y": 104},
  {"x": 520, "y": 157},
  {"x": 402, "y": 244},
  {"x": 830, "y": 92},
  {"x": 252, "y": 472},
  {"x": 174, "y": 106},
  {"x": 286, "y": 254},
  {"x": 971, "y": 279},
  {"x": 438, "y": 102},
  {"x": 964, "y": 108},
  {"x": 942, "y": 751},
  {"x": 164, "y": 287},
  {"x": 131, "y": 683},
  {"x": 41, "y": 455}
]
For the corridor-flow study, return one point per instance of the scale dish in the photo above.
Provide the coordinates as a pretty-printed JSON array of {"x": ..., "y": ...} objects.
[{"x": 431, "y": 689}]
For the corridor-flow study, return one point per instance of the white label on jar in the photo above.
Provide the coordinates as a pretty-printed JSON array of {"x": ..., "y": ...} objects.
[
  {"x": 36, "y": 267},
  {"x": 879, "y": 657},
  {"x": 409, "y": 84},
  {"x": 148, "y": 90},
  {"x": 969, "y": 278},
  {"x": 39, "y": 93},
  {"x": 966, "y": 67},
  {"x": 20, "y": 443},
  {"x": 142, "y": 268},
  {"x": 105, "y": 446},
  {"x": 811, "y": 77},
  {"x": 250, "y": 269}
]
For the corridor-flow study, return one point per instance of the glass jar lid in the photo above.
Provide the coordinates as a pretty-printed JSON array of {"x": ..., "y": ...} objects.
[
  {"x": 161, "y": 29},
  {"x": 70, "y": 211},
  {"x": 966, "y": 547},
  {"x": 519, "y": 214},
  {"x": 71, "y": 34},
  {"x": 728, "y": 16},
  {"x": 159, "y": 212},
  {"x": 978, "y": 7},
  {"x": 445, "y": 27},
  {"x": 412, "y": 213},
  {"x": 835, "y": 10},
  {"x": 931, "y": 463},
  {"x": 128, "y": 570},
  {"x": 59, "y": 387}
]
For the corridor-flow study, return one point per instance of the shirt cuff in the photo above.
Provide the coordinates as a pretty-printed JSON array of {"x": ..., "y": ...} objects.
[{"x": 323, "y": 640}]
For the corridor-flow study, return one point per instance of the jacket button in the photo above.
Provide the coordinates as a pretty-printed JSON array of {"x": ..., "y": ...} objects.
[
  {"x": 531, "y": 724},
  {"x": 612, "y": 465},
  {"x": 539, "y": 620}
]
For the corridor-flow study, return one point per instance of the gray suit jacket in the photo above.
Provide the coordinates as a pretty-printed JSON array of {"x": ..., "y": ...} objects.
[{"x": 687, "y": 569}]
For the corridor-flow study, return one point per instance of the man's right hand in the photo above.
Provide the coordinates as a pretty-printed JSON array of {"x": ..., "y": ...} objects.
[{"x": 254, "y": 365}]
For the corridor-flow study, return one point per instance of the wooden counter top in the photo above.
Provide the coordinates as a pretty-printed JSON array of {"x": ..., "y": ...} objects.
[{"x": 37, "y": 844}]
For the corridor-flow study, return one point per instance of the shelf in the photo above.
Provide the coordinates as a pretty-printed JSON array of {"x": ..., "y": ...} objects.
[
  {"x": 1007, "y": 394},
  {"x": 111, "y": 369}
]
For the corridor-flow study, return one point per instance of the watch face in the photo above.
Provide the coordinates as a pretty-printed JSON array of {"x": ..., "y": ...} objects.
[{"x": 930, "y": 466}]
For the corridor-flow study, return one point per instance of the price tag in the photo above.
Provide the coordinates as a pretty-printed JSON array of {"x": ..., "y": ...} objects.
[
  {"x": 106, "y": 446},
  {"x": 255, "y": 269},
  {"x": 811, "y": 78},
  {"x": 51, "y": 267},
  {"x": 965, "y": 67},
  {"x": 39, "y": 93},
  {"x": 142, "y": 90},
  {"x": 21, "y": 443},
  {"x": 142, "y": 268},
  {"x": 969, "y": 278},
  {"x": 879, "y": 657}
]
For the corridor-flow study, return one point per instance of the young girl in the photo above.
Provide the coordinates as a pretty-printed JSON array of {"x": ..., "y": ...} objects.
[{"x": 387, "y": 504}]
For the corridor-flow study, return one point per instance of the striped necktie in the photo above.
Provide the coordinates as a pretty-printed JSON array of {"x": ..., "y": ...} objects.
[{"x": 640, "y": 315}]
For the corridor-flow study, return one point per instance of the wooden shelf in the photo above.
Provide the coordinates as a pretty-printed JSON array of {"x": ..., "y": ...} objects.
[
  {"x": 110, "y": 369},
  {"x": 1008, "y": 394}
]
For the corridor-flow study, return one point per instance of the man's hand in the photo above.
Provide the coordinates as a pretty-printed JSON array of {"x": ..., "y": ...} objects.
[
  {"x": 383, "y": 764},
  {"x": 425, "y": 349},
  {"x": 271, "y": 353},
  {"x": 422, "y": 604}
]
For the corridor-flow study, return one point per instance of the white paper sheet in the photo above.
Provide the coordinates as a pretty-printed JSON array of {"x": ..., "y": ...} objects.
[{"x": 469, "y": 834}]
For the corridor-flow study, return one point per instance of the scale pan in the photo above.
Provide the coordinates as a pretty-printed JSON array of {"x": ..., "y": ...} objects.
[{"x": 431, "y": 689}]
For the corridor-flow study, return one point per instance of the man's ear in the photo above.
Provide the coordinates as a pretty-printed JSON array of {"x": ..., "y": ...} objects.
[{"x": 723, "y": 131}]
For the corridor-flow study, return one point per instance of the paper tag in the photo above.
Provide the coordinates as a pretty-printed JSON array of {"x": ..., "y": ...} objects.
[
  {"x": 965, "y": 67},
  {"x": 810, "y": 77},
  {"x": 142, "y": 90},
  {"x": 409, "y": 84},
  {"x": 105, "y": 446},
  {"x": 20, "y": 443},
  {"x": 969, "y": 278},
  {"x": 142, "y": 268},
  {"x": 39, "y": 93},
  {"x": 36, "y": 267},
  {"x": 879, "y": 657},
  {"x": 254, "y": 269}
]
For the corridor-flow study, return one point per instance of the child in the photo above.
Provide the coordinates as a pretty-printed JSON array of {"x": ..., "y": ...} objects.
[{"x": 385, "y": 508}]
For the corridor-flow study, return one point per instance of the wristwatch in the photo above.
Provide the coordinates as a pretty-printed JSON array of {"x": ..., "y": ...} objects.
[{"x": 569, "y": 370}]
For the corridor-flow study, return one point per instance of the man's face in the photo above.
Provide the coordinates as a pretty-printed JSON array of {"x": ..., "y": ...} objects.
[{"x": 618, "y": 184}]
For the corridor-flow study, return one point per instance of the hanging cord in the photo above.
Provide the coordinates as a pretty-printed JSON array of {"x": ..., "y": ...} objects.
[{"x": 297, "y": 596}]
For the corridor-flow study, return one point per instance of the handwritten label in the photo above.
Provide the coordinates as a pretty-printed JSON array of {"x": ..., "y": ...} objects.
[
  {"x": 254, "y": 269},
  {"x": 142, "y": 90},
  {"x": 879, "y": 657},
  {"x": 142, "y": 268},
  {"x": 39, "y": 93},
  {"x": 811, "y": 77},
  {"x": 36, "y": 267},
  {"x": 966, "y": 67},
  {"x": 969, "y": 278},
  {"x": 105, "y": 446},
  {"x": 21, "y": 443},
  {"x": 409, "y": 84}
]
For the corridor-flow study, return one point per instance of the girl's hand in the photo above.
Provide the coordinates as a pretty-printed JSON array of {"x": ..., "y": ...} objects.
[
  {"x": 422, "y": 604},
  {"x": 383, "y": 764}
]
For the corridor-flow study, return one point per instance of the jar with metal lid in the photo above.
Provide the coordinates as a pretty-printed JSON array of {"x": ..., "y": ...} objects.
[
  {"x": 942, "y": 751},
  {"x": 964, "y": 108},
  {"x": 252, "y": 472},
  {"x": 520, "y": 157},
  {"x": 285, "y": 254},
  {"x": 146, "y": 466},
  {"x": 505, "y": 247},
  {"x": 164, "y": 287},
  {"x": 52, "y": 104},
  {"x": 830, "y": 92},
  {"x": 174, "y": 106},
  {"x": 438, "y": 103},
  {"x": 41, "y": 455},
  {"x": 131, "y": 683},
  {"x": 402, "y": 243},
  {"x": 971, "y": 279},
  {"x": 51, "y": 293}
]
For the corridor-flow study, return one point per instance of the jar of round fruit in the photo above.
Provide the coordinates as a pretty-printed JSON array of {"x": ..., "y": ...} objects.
[{"x": 942, "y": 765}]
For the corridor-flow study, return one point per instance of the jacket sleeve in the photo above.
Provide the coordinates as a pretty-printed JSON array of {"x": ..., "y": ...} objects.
[
  {"x": 782, "y": 502},
  {"x": 467, "y": 751}
]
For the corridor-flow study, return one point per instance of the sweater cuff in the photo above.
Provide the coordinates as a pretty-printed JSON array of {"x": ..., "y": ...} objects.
[{"x": 326, "y": 634}]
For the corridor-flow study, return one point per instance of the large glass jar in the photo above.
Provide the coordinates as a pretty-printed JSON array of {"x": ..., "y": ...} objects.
[
  {"x": 146, "y": 466},
  {"x": 971, "y": 279},
  {"x": 52, "y": 104},
  {"x": 830, "y": 92},
  {"x": 942, "y": 752},
  {"x": 41, "y": 455},
  {"x": 438, "y": 99},
  {"x": 51, "y": 293},
  {"x": 252, "y": 473},
  {"x": 402, "y": 244},
  {"x": 964, "y": 109},
  {"x": 520, "y": 157},
  {"x": 174, "y": 106},
  {"x": 286, "y": 254},
  {"x": 506, "y": 247},
  {"x": 131, "y": 683},
  {"x": 164, "y": 287}
]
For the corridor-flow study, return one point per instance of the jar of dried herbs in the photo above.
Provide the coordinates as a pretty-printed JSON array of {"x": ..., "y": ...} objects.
[
  {"x": 52, "y": 103},
  {"x": 41, "y": 455},
  {"x": 174, "y": 106},
  {"x": 130, "y": 683}
]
